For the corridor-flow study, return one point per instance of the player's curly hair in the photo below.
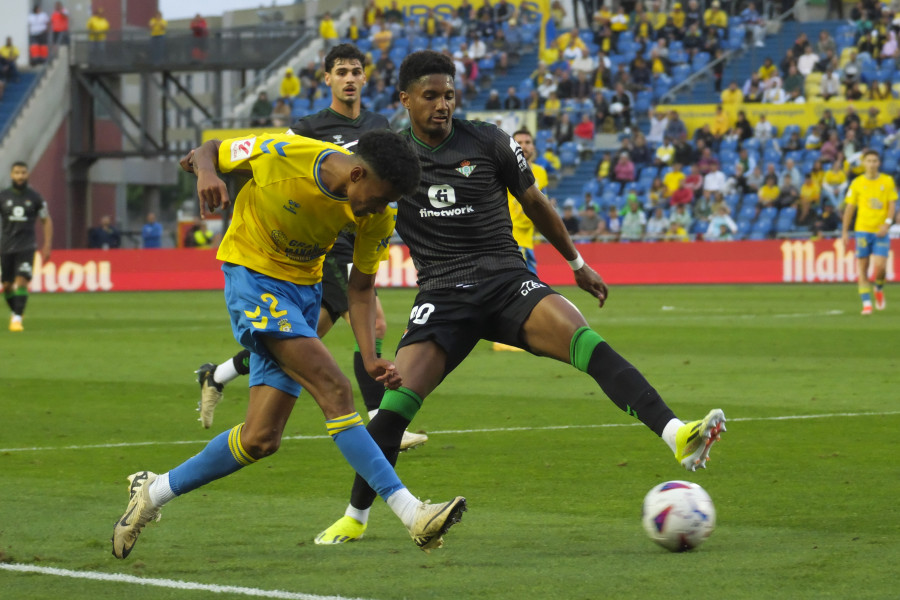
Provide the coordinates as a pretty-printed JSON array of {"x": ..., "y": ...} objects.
[
  {"x": 346, "y": 52},
  {"x": 392, "y": 159},
  {"x": 422, "y": 63}
]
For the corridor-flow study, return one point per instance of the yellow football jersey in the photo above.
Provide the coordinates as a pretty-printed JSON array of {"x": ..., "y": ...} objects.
[
  {"x": 285, "y": 219},
  {"x": 523, "y": 228},
  {"x": 872, "y": 198}
]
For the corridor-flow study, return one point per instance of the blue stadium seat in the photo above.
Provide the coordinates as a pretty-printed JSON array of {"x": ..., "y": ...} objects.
[
  {"x": 591, "y": 186},
  {"x": 681, "y": 72},
  {"x": 701, "y": 59},
  {"x": 609, "y": 197},
  {"x": 756, "y": 235},
  {"x": 568, "y": 154},
  {"x": 744, "y": 228},
  {"x": 768, "y": 213},
  {"x": 772, "y": 156},
  {"x": 727, "y": 156},
  {"x": 728, "y": 144},
  {"x": 677, "y": 57},
  {"x": 748, "y": 212},
  {"x": 751, "y": 144},
  {"x": 750, "y": 200}
]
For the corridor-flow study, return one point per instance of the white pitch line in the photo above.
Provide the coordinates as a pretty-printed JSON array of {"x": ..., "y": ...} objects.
[
  {"x": 168, "y": 583},
  {"x": 458, "y": 431}
]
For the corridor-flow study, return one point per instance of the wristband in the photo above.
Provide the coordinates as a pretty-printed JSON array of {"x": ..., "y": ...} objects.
[
  {"x": 577, "y": 263},
  {"x": 888, "y": 221}
]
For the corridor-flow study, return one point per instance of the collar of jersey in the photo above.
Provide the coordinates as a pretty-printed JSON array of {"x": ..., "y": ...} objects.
[
  {"x": 344, "y": 117},
  {"x": 316, "y": 176},
  {"x": 439, "y": 146}
]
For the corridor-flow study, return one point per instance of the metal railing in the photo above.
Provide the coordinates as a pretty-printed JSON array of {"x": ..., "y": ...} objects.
[
  {"x": 223, "y": 49},
  {"x": 277, "y": 64}
]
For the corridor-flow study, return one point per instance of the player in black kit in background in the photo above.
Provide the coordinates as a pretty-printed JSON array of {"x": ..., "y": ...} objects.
[
  {"x": 341, "y": 123},
  {"x": 20, "y": 207},
  {"x": 473, "y": 282}
]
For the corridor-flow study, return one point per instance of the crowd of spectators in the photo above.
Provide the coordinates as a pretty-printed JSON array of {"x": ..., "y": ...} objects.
[{"x": 737, "y": 178}]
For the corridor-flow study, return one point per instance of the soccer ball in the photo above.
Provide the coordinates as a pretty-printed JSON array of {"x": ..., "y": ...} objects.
[{"x": 678, "y": 515}]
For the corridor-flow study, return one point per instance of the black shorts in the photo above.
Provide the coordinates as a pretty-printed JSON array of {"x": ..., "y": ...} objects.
[
  {"x": 334, "y": 287},
  {"x": 13, "y": 264},
  {"x": 456, "y": 318}
]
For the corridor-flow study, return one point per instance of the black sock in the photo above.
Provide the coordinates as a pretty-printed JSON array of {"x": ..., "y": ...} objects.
[
  {"x": 241, "y": 362},
  {"x": 628, "y": 389},
  {"x": 371, "y": 390},
  {"x": 387, "y": 430},
  {"x": 8, "y": 296},
  {"x": 18, "y": 301}
]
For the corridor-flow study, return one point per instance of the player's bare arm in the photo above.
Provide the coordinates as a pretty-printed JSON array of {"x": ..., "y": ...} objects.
[
  {"x": 849, "y": 211},
  {"x": 203, "y": 162},
  {"x": 47, "y": 224},
  {"x": 362, "y": 301},
  {"x": 540, "y": 211}
]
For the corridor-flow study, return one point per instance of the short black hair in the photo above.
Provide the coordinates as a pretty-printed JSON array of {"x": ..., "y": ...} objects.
[
  {"x": 523, "y": 131},
  {"x": 18, "y": 163},
  {"x": 392, "y": 159},
  {"x": 345, "y": 52},
  {"x": 422, "y": 63}
]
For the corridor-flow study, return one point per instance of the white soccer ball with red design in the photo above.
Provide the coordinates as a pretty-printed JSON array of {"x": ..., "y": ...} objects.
[{"x": 678, "y": 515}]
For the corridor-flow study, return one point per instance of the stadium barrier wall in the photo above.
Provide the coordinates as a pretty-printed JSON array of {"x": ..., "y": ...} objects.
[{"x": 770, "y": 261}]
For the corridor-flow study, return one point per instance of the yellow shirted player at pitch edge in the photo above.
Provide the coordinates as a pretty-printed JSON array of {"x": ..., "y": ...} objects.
[
  {"x": 523, "y": 228},
  {"x": 872, "y": 197}
]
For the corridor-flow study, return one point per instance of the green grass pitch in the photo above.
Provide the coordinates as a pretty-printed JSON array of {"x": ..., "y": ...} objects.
[{"x": 805, "y": 481}]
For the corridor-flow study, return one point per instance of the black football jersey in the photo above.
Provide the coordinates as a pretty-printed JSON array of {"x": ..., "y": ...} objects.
[
  {"x": 19, "y": 209},
  {"x": 330, "y": 126},
  {"x": 457, "y": 224}
]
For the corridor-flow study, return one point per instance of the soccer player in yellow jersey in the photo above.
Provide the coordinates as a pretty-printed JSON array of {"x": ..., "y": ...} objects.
[
  {"x": 523, "y": 227},
  {"x": 302, "y": 193},
  {"x": 872, "y": 198}
]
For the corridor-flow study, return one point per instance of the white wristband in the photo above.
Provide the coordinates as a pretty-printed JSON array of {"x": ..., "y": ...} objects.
[
  {"x": 577, "y": 263},
  {"x": 888, "y": 221}
]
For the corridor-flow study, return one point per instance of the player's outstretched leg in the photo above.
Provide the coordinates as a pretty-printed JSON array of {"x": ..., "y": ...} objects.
[
  {"x": 213, "y": 378},
  {"x": 631, "y": 392},
  {"x": 140, "y": 511},
  {"x": 693, "y": 440}
]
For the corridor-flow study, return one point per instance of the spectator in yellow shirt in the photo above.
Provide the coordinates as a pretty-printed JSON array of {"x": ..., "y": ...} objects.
[
  {"x": 382, "y": 37},
  {"x": 290, "y": 86},
  {"x": 810, "y": 195},
  {"x": 657, "y": 16},
  {"x": 158, "y": 27},
  {"x": 678, "y": 16},
  {"x": 9, "y": 54},
  {"x": 715, "y": 17},
  {"x": 328, "y": 31},
  {"x": 673, "y": 179},
  {"x": 767, "y": 70},
  {"x": 97, "y": 27},
  {"x": 732, "y": 95}
]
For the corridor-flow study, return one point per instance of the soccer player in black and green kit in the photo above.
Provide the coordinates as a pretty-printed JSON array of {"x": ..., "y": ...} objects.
[
  {"x": 474, "y": 284},
  {"x": 341, "y": 123},
  {"x": 20, "y": 207}
]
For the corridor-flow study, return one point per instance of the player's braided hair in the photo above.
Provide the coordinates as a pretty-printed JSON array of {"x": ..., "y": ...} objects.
[
  {"x": 346, "y": 52},
  {"x": 422, "y": 63},
  {"x": 392, "y": 159}
]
